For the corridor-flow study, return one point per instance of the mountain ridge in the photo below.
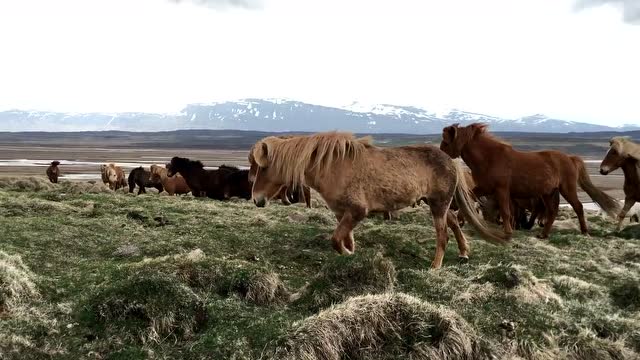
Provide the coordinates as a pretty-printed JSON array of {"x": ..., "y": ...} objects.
[{"x": 283, "y": 115}]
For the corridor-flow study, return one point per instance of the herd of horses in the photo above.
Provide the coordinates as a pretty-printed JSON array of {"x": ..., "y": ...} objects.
[{"x": 356, "y": 178}]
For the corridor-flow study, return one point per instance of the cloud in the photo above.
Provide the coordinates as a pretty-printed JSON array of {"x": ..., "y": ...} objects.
[
  {"x": 246, "y": 4},
  {"x": 630, "y": 8}
]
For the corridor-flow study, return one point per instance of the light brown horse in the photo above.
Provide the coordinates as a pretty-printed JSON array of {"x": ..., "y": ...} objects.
[
  {"x": 53, "y": 172},
  {"x": 356, "y": 178},
  {"x": 113, "y": 176},
  {"x": 500, "y": 170},
  {"x": 626, "y": 155},
  {"x": 172, "y": 185}
]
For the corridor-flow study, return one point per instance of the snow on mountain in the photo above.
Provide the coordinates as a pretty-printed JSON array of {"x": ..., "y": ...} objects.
[{"x": 281, "y": 115}]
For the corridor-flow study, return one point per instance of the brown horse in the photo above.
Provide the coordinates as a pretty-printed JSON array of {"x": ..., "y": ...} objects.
[
  {"x": 172, "y": 185},
  {"x": 623, "y": 154},
  {"x": 356, "y": 178},
  {"x": 500, "y": 170},
  {"x": 53, "y": 172}
]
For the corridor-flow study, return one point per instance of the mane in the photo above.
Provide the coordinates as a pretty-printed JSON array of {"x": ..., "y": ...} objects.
[
  {"x": 625, "y": 147},
  {"x": 228, "y": 167},
  {"x": 480, "y": 129},
  {"x": 180, "y": 161},
  {"x": 291, "y": 157}
]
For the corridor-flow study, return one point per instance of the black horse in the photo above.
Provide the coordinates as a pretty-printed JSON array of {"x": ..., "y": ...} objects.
[
  {"x": 142, "y": 178},
  {"x": 202, "y": 182},
  {"x": 236, "y": 183}
]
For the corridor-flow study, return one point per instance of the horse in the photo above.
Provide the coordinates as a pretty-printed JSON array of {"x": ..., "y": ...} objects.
[
  {"x": 142, "y": 178},
  {"x": 356, "y": 178},
  {"x": 625, "y": 154},
  {"x": 53, "y": 172},
  {"x": 519, "y": 207},
  {"x": 236, "y": 183},
  {"x": 113, "y": 176},
  {"x": 202, "y": 182},
  {"x": 172, "y": 185},
  {"x": 500, "y": 170}
]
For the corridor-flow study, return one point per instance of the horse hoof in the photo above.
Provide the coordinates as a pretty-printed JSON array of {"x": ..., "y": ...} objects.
[
  {"x": 542, "y": 236},
  {"x": 463, "y": 259}
]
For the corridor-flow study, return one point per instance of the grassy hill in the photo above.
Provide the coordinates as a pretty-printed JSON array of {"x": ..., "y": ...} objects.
[{"x": 86, "y": 273}]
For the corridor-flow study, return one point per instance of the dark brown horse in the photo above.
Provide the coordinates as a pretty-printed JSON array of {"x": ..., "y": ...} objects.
[
  {"x": 202, "y": 182},
  {"x": 53, "y": 172},
  {"x": 236, "y": 183},
  {"x": 141, "y": 177},
  {"x": 500, "y": 170},
  {"x": 621, "y": 155}
]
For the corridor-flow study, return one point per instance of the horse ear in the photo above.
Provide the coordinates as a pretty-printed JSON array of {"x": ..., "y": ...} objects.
[
  {"x": 260, "y": 154},
  {"x": 449, "y": 133}
]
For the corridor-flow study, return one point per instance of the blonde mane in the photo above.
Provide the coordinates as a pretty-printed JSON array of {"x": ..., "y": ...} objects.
[
  {"x": 625, "y": 147},
  {"x": 292, "y": 157}
]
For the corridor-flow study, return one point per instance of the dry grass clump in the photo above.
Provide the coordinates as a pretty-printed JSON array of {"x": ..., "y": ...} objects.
[
  {"x": 345, "y": 276},
  {"x": 30, "y": 183},
  {"x": 575, "y": 289},
  {"x": 149, "y": 308},
  {"x": 385, "y": 326},
  {"x": 16, "y": 283},
  {"x": 248, "y": 281},
  {"x": 76, "y": 187},
  {"x": 520, "y": 283}
]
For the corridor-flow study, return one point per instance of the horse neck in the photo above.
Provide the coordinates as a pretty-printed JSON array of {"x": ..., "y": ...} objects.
[
  {"x": 476, "y": 153},
  {"x": 631, "y": 171}
]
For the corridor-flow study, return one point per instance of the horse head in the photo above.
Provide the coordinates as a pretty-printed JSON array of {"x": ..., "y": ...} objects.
[
  {"x": 456, "y": 137},
  {"x": 266, "y": 183},
  {"x": 615, "y": 157}
]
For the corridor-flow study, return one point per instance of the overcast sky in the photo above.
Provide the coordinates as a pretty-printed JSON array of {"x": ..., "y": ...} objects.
[{"x": 507, "y": 58}]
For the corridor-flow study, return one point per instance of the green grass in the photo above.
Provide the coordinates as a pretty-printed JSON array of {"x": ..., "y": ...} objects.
[{"x": 88, "y": 273}]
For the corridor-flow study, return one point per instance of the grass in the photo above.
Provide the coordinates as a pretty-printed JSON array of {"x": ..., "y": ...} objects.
[{"x": 88, "y": 273}]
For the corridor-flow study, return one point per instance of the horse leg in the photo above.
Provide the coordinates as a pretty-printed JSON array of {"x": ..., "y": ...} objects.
[
  {"x": 504, "y": 202},
  {"x": 463, "y": 247},
  {"x": 570, "y": 193},
  {"x": 141, "y": 189},
  {"x": 284, "y": 196},
  {"x": 628, "y": 203},
  {"x": 306, "y": 195},
  {"x": 342, "y": 238},
  {"x": 551, "y": 204}
]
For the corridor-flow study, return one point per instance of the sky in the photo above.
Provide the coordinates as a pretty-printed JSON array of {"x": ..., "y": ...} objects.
[{"x": 568, "y": 59}]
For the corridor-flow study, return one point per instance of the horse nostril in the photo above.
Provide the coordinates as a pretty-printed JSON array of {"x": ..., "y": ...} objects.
[{"x": 603, "y": 172}]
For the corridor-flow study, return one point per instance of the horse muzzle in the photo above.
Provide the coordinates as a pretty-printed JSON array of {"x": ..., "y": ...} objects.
[
  {"x": 260, "y": 201},
  {"x": 604, "y": 171}
]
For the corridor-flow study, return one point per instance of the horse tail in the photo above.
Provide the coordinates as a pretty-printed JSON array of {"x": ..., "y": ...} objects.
[
  {"x": 463, "y": 198},
  {"x": 607, "y": 203}
]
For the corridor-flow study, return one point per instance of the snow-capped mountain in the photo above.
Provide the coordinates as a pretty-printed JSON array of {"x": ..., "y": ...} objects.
[{"x": 276, "y": 115}]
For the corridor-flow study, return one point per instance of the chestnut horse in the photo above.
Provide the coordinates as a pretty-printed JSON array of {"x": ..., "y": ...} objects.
[
  {"x": 626, "y": 155},
  {"x": 356, "y": 178},
  {"x": 500, "y": 170},
  {"x": 172, "y": 185}
]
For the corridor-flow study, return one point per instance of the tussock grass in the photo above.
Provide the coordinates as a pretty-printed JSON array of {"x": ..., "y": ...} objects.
[
  {"x": 17, "y": 287},
  {"x": 151, "y": 308},
  {"x": 348, "y": 276},
  {"x": 225, "y": 278},
  {"x": 381, "y": 326},
  {"x": 626, "y": 294},
  {"x": 575, "y": 289}
]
